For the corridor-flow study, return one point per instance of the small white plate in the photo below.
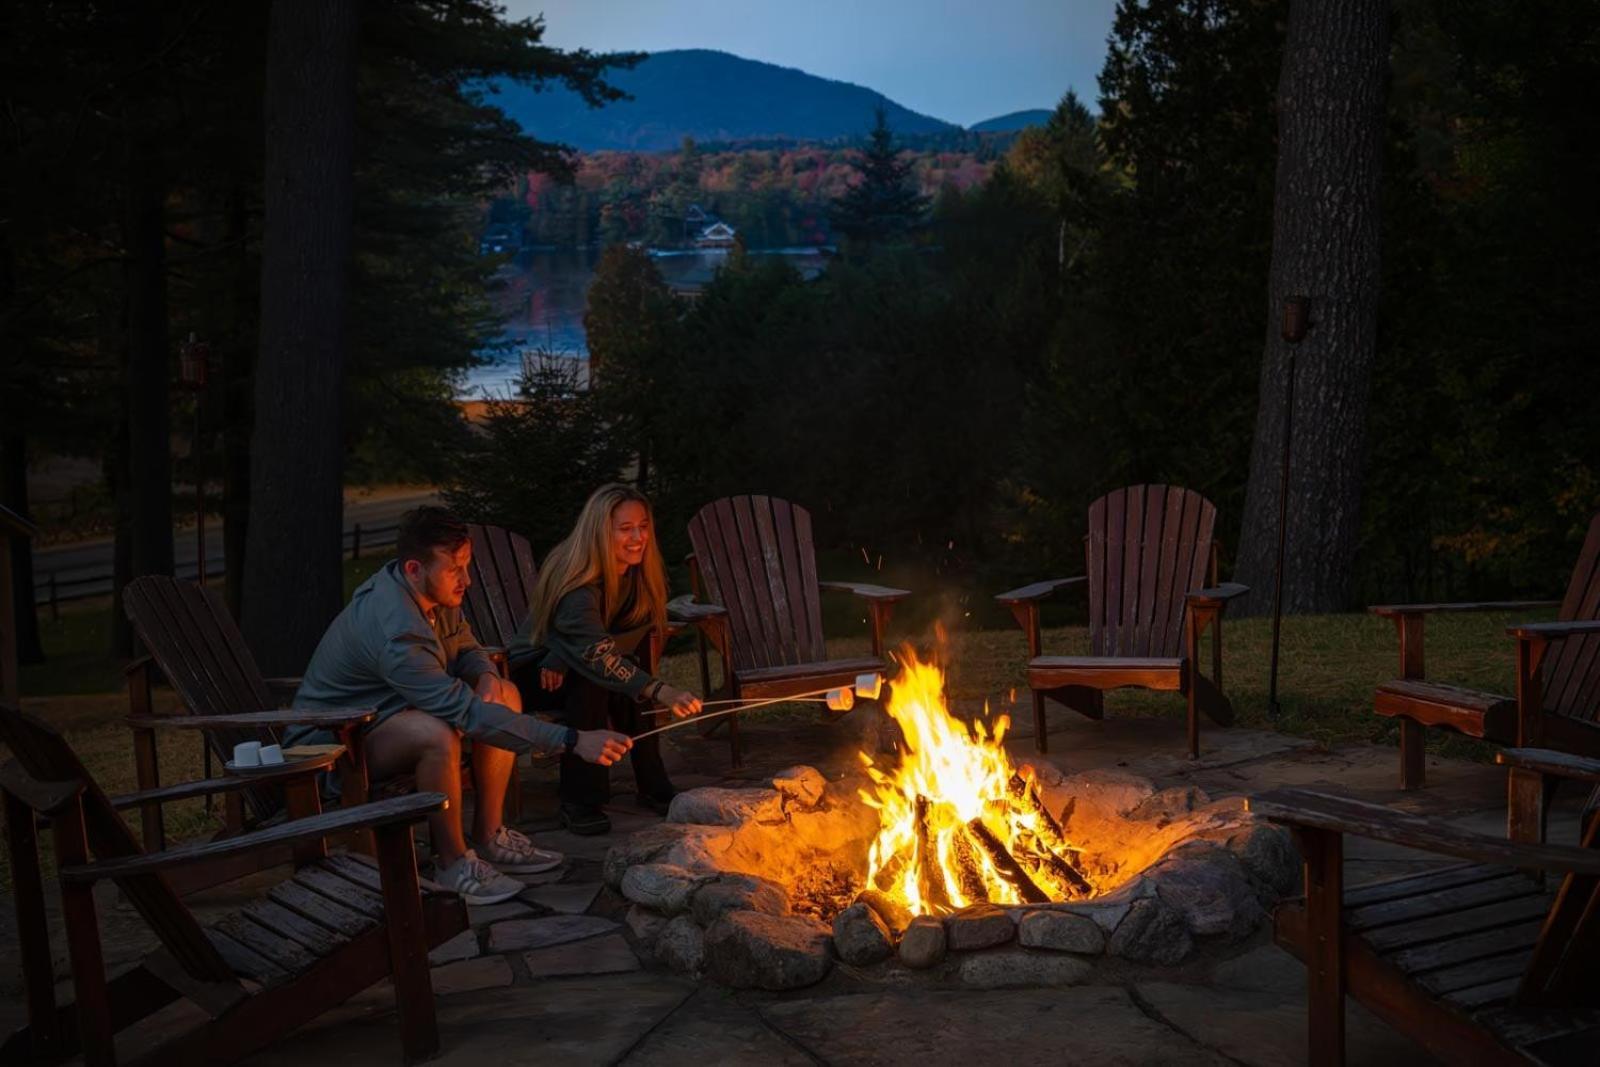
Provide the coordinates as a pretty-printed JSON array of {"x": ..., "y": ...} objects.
[{"x": 291, "y": 756}]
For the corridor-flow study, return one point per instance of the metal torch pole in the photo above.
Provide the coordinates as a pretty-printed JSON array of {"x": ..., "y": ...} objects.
[{"x": 1295, "y": 323}]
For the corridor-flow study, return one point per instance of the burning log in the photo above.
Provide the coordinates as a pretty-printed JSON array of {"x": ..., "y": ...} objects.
[
  {"x": 1055, "y": 852},
  {"x": 1027, "y": 798},
  {"x": 930, "y": 876},
  {"x": 1004, "y": 864},
  {"x": 888, "y": 875},
  {"x": 969, "y": 872}
]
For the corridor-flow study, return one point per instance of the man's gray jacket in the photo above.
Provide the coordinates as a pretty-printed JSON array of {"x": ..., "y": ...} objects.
[{"x": 382, "y": 652}]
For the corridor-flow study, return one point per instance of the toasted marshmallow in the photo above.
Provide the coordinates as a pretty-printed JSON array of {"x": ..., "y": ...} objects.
[{"x": 841, "y": 699}]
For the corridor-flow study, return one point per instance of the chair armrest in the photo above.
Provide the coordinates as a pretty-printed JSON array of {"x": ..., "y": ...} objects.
[
  {"x": 331, "y": 718},
  {"x": 1038, "y": 590},
  {"x": 879, "y": 593},
  {"x": 1544, "y": 761},
  {"x": 43, "y": 797},
  {"x": 1323, "y": 811},
  {"x": 413, "y": 807},
  {"x": 230, "y": 783},
  {"x": 1218, "y": 594},
  {"x": 1393, "y": 610},
  {"x": 1554, "y": 631},
  {"x": 686, "y": 609}
]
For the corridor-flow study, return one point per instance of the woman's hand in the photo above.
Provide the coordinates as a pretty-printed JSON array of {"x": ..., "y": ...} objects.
[
  {"x": 550, "y": 678},
  {"x": 682, "y": 702}
]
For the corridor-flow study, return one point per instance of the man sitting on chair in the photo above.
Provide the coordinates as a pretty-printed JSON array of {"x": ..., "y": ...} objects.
[{"x": 402, "y": 646}]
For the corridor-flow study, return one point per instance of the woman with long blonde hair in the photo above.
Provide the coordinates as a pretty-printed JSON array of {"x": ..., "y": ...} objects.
[{"x": 600, "y": 593}]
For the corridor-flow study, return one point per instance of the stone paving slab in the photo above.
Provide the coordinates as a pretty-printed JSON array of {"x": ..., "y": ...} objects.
[
  {"x": 1099, "y": 1025},
  {"x": 569, "y": 1021},
  {"x": 514, "y": 935},
  {"x": 1267, "y": 1029},
  {"x": 713, "y": 1027},
  {"x": 569, "y": 899},
  {"x": 599, "y": 955}
]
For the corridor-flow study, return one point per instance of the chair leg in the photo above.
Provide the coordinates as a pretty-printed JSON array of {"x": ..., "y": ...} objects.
[
  {"x": 1528, "y": 796},
  {"x": 1323, "y": 852},
  {"x": 1413, "y": 750},
  {"x": 33, "y": 941},
  {"x": 408, "y": 942},
  {"x": 1041, "y": 741},
  {"x": 1191, "y": 695},
  {"x": 733, "y": 740},
  {"x": 95, "y": 1034}
]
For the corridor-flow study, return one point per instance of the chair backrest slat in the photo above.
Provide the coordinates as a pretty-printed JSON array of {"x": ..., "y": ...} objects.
[
  {"x": 756, "y": 558},
  {"x": 1572, "y": 671},
  {"x": 1147, "y": 547},
  {"x": 503, "y": 575},
  {"x": 45, "y": 755}
]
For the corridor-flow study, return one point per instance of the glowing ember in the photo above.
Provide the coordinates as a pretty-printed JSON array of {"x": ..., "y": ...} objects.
[{"x": 958, "y": 824}]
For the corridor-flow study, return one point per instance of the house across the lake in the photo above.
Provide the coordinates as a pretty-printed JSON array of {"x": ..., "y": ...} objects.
[{"x": 716, "y": 235}]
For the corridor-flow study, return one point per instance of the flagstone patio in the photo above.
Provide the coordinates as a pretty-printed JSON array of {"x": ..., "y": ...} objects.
[{"x": 553, "y": 977}]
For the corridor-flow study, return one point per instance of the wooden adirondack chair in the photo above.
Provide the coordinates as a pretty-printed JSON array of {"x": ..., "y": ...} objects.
[
  {"x": 754, "y": 557},
  {"x": 1147, "y": 553},
  {"x": 336, "y": 927},
  {"x": 199, "y": 649},
  {"x": 1479, "y": 963},
  {"x": 1557, "y": 703},
  {"x": 503, "y": 574}
]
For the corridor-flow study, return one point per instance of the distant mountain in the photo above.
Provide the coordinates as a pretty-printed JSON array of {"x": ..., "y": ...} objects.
[
  {"x": 710, "y": 96},
  {"x": 1017, "y": 120}
]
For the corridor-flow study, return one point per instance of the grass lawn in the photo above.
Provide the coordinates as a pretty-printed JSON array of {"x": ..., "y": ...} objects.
[{"x": 1330, "y": 664}]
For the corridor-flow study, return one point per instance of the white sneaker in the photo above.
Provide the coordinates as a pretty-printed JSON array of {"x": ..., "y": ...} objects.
[
  {"x": 476, "y": 882},
  {"x": 513, "y": 853}
]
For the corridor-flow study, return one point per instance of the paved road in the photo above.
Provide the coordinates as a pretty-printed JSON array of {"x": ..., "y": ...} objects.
[{"x": 83, "y": 568}]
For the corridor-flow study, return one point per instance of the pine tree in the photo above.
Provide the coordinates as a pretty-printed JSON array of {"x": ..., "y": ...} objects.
[{"x": 883, "y": 205}]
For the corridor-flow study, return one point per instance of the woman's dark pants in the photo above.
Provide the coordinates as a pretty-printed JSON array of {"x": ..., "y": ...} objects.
[{"x": 583, "y": 705}]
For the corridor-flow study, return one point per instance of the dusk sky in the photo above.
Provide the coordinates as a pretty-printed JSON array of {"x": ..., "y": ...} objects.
[{"x": 958, "y": 60}]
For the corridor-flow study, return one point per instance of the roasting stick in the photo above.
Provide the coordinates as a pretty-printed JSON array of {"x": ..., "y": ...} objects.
[{"x": 868, "y": 685}]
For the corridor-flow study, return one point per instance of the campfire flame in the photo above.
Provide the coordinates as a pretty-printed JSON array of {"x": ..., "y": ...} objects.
[{"x": 958, "y": 823}]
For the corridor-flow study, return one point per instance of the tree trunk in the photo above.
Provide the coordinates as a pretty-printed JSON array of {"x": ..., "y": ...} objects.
[
  {"x": 237, "y": 370},
  {"x": 292, "y": 569},
  {"x": 148, "y": 365},
  {"x": 14, "y": 495},
  {"x": 1325, "y": 245}
]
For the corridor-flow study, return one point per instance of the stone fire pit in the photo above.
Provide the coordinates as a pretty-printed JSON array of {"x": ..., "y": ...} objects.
[{"x": 760, "y": 888}]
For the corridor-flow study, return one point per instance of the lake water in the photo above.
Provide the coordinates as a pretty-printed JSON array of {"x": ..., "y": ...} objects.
[{"x": 543, "y": 293}]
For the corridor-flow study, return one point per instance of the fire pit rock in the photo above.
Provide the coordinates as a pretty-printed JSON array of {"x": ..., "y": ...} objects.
[
  {"x": 746, "y": 895},
  {"x": 749, "y": 950}
]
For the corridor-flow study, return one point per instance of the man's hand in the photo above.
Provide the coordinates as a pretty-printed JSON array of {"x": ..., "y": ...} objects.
[
  {"x": 604, "y": 747},
  {"x": 550, "y": 678},
  {"x": 682, "y": 702}
]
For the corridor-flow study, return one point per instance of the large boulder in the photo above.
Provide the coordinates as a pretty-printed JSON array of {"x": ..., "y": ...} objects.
[
  {"x": 860, "y": 937},
  {"x": 978, "y": 926},
  {"x": 923, "y": 943},
  {"x": 1209, "y": 887},
  {"x": 662, "y": 886},
  {"x": 1269, "y": 855},
  {"x": 726, "y": 807},
  {"x": 738, "y": 892},
  {"x": 1152, "y": 932},
  {"x": 645, "y": 925},
  {"x": 682, "y": 946},
  {"x": 750, "y": 950},
  {"x": 693, "y": 847}
]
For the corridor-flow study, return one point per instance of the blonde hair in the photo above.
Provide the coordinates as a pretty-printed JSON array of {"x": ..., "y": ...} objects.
[{"x": 586, "y": 558}]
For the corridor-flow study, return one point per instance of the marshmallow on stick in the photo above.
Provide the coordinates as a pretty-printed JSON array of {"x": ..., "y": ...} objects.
[
  {"x": 841, "y": 699},
  {"x": 869, "y": 686}
]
